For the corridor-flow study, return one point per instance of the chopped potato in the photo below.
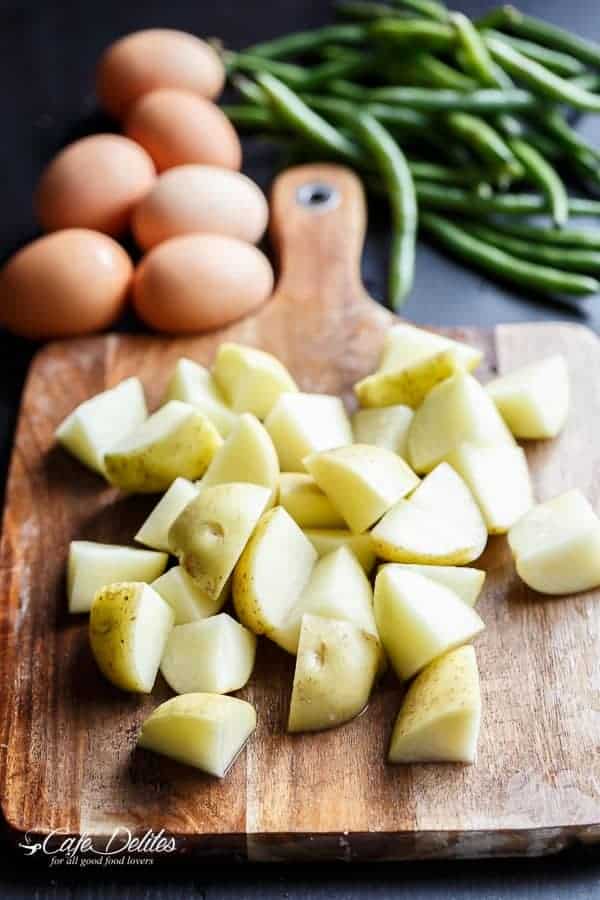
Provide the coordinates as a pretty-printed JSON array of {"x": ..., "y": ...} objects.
[
  {"x": 155, "y": 530},
  {"x": 300, "y": 424},
  {"x": 405, "y": 345},
  {"x": 326, "y": 540},
  {"x": 534, "y": 400},
  {"x": 408, "y": 385},
  {"x": 248, "y": 455},
  {"x": 102, "y": 421},
  {"x": 251, "y": 379},
  {"x": 556, "y": 545},
  {"x": 466, "y": 582},
  {"x": 177, "y": 440},
  {"x": 303, "y": 499},
  {"x": 186, "y": 598},
  {"x": 440, "y": 716},
  {"x": 419, "y": 619},
  {"x": 361, "y": 481},
  {"x": 192, "y": 383},
  {"x": 206, "y": 731},
  {"x": 385, "y": 427},
  {"x": 91, "y": 566}
]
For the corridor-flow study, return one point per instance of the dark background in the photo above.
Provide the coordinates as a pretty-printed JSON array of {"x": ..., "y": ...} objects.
[{"x": 47, "y": 55}]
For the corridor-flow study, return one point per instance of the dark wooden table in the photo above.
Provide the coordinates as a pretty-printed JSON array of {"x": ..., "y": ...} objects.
[{"x": 47, "y": 54}]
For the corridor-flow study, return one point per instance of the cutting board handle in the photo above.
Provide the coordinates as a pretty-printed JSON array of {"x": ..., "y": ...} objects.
[{"x": 318, "y": 223}]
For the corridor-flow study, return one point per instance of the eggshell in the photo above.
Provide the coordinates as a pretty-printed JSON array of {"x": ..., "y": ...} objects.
[
  {"x": 177, "y": 127},
  {"x": 199, "y": 282},
  {"x": 207, "y": 199},
  {"x": 156, "y": 57},
  {"x": 66, "y": 283},
  {"x": 94, "y": 183}
]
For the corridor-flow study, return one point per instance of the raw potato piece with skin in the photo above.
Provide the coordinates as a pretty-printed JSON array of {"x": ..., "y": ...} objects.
[
  {"x": 306, "y": 503},
  {"x": 155, "y": 530},
  {"x": 91, "y": 566},
  {"x": 419, "y": 620},
  {"x": 248, "y": 455},
  {"x": 409, "y": 385},
  {"x": 215, "y": 655},
  {"x": 386, "y": 427},
  {"x": 534, "y": 400},
  {"x": 455, "y": 412},
  {"x": 207, "y": 731},
  {"x": 210, "y": 534},
  {"x": 440, "y": 716},
  {"x": 193, "y": 384},
  {"x": 272, "y": 573},
  {"x": 361, "y": 481},
  {"x": 466, "y": 582},
  {"x": 300, "y": 424},
  {"x": 498, "y": 478},
  {"x": 101, "y": 421},
  {"x": 177, "y": 440},
  {"x": 251, "y": 379},
  {"x": 439, "y": 524},
  {"x": 405, "y": 345},
  {"x": 336, "y": 667},
  {"x": 326, "y": 540},
  {"x": 187, "y": 600},
  {"x": 129, "y": 627},
  {"x": 556, "y": 545}
]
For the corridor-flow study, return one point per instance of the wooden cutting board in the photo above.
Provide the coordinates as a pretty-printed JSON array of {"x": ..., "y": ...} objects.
[{"x": 67, "y": 738}]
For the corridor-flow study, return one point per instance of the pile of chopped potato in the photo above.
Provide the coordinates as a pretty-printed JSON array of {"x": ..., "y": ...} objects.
[{"x": 276, "y": 499}]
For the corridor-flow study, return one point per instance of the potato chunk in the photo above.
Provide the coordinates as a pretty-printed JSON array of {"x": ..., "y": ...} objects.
[
  {"x": 556, "y": 545},
  {"x": 129, "y": 627},
  {"x": 534, "y": 400},
  {"x": 336, "y": 667},
  {"x": 466, "y": 582},
  {"x": 192, "y": 383},
  {"x": 155, "y": 530},
  {"x": 386, "y": 427},
  {"x": 408, "y": 385},
  {"x": 326, "y": 540},
  {"x": 405, "y": 344},
  {"x": 440, "y": 716},
  {"x": 300, "y": 424},
  {"x": 186, "y": 598},
  {"x": 177, "y": 440},
  {"x": 439, "y": 524},
  {"x": 91, "y": 566},
  {"x": 361, "y": 481},
  {"x": 251, "y": 379},
  {"x": 215, "y": 655},
  {"x": 248, "y": 455},
  {"x": 102, "y": 421},
  {"x": 206, "y": 731},
  {"x": 455, "y": 412},
  {"x": 419, "y": 619},
  {"x": 210, "y": 534},
  {"x": 303, "y": 499}
]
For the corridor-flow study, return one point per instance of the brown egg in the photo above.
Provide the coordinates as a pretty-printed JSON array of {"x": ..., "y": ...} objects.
[
  {"x": 206, "y": 199},
  {"x": 67, "y": 283},
  {"x": 199, "y": 282},
  {"x": 177, "y": 127},
  {"x": 157, "y": 57},
  {"x": 94, "y": 183}
]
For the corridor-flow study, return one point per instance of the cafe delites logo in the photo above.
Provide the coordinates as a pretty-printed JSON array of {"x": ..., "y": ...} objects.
[{"x": 122, "y": 847}]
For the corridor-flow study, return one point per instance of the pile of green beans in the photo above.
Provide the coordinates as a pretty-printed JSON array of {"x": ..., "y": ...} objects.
[{"x": 464, "y": 127}]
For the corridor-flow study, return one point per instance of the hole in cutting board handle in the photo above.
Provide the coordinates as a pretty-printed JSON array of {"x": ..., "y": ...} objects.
[{"x": 318, "y": 196}]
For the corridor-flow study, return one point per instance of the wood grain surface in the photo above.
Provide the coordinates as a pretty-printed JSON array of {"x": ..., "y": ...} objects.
[{"x": 67, "y": 738}]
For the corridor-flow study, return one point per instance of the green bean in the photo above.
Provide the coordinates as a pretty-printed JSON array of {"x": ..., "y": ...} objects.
[
  {"x": 477, "y": 60},
  {"x": 589, "y": 80},
  {"x": 431, "y": 100},
  {"x": 435, "y": 196},
  {"x": 484, "y": 141},
  {"x": 303, "y": 120},
  {"x": 408, "y": 119},
  {"x": 513, "y": 127},
  {"x": 562, "y": 133},
  {"x": 584, "y": 261},
  {"x": 414, "y": 33},
  {"x": 563, "y": 237},
  {"x": 339, "y": 51},
  {"x": 427, "y": 70},
  {"x": 541, "y": 79},
  {"x": 291, "y": 73},
  {"x": 249, "y": 89},
  {"x": 305, "y": 41},
  {"x": 508, "y": 267},
  {"x": 561, "y": 63},
  {"x": 396, "y": 176},
  {"x": 545, "y": 176},
  {"x": 428, "y": 171},
  {"x": 365, "y": 10},
  {"x": 543, "y": 33},
  {"x": 251, "y": 116},
  {"x": 431, "y": 9}
]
